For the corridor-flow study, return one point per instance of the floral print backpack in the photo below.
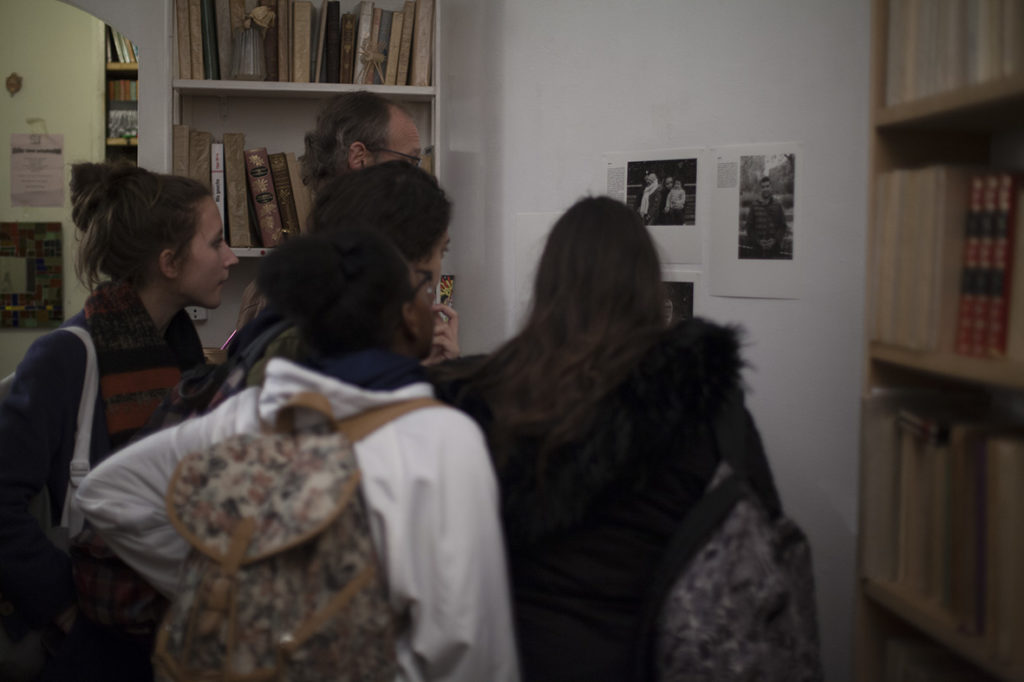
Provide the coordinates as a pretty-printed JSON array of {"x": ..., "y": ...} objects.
[{"x": 283, "y": 581}]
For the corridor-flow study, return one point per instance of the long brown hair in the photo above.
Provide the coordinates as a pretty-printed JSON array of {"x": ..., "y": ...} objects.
[{"x": 597, "y": 308}]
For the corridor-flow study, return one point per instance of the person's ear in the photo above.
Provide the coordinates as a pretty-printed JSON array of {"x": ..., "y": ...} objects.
[
  {"x": 358, "y": 156},
  {"x": 168, "y": 264}
]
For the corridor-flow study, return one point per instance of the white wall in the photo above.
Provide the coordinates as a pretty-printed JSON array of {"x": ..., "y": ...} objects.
[
  {"x": 537, "y": 90},
  {"x": 58, "y": 52}
]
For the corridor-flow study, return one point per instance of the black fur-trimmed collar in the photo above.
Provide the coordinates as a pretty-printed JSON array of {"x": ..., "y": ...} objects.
[{"x": 666, "y": 404}]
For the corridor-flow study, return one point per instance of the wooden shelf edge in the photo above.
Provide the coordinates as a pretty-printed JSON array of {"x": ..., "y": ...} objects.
[
  {"x": 952, "y": 104},
  {"x": 119, "y": 66},
  {"x": 1004, "y": 373},
  {"x": 232, "y": 88},
  {"x": 122, "y": 142},
  {"x": 930, "y": 620}
]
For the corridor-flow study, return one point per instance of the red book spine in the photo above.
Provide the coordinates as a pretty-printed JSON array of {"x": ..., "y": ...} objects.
[
  {"x": 1000, "y": 276},
  {"x": 264, "y": 197},
  {"x": 983, "y": 299},
  {"x": 969, "y": 274}
]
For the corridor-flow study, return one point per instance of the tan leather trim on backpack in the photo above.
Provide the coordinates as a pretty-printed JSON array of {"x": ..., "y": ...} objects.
[{"x": 355, "y": 428}]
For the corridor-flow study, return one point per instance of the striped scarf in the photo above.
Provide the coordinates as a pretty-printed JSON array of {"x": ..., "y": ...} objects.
[{"x": 137, "y": 366}]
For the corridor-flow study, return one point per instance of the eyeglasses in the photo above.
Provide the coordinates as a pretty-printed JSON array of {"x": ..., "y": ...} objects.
[
  {"x": 425, "y": 278},
  {"x": 414, "y": 160}
]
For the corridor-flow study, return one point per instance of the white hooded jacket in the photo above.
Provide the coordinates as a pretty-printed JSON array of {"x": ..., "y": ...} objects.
[{"x": 432, "y": 501}]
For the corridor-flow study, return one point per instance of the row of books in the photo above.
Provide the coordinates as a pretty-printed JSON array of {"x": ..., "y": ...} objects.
[
  {"x": 942, "y": 276},
  {"x": 944, "y": 476},
  {"x": 305, "y": 42},
  {"x": 936, "y": 46},
  {"x": 123, "y": 90},
  {"x": 120, "y": 50},
  {"x": 261, "y": 197}
]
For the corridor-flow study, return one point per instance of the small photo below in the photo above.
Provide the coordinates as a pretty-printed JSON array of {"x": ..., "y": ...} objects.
[
  {"x": 663, "y": 191},
  {"x": 678, "y": 302},
  {"x": 766, "y": 207}
]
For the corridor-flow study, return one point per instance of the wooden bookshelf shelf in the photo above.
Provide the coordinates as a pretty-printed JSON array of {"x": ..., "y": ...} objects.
[
  {"x": 122, "y": 142},
  {"x": 277, "y": 89},
  {"x": 118, "y": 66},
  {"x": 985, "y": 107},
  {"x": 928, "y": 618},
  {"x": 1001, "y": 373}
]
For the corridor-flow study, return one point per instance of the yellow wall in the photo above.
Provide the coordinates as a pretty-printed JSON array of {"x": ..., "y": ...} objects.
[{"x": 58, "y": 51}]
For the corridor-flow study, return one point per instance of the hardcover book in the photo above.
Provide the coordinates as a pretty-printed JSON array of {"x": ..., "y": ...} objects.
[
  {"x": 195, "y": 34},
  {"x": 236, "y": 183},
  {"x": 301, "y": 193},
  {"x": 405, "y": 46},
  {"x": 332, "y": 44},
  {"x": 394, "y": 48},
  {"x": 285, "y": 198},
  {"x": 182, "y": 32},
  {"x": 365, "y": 9},
  {"x": 264, "y": 196},
  {"x": 211, "y": 56},
  {"x": 199, "y": 156},
  {"x": 383, "y": 43},
  {"x": 302, "y": 17},
  {"x": 348, "y": 47},
  {"x": 422, "y": 43},
  {"x": 372, "y": 55},
  {"x": 224, "y": 33},
  {"x": 270, "y": 42},
  {"x": 284, "y": 40},
  {"x": 179, "y": 150}
]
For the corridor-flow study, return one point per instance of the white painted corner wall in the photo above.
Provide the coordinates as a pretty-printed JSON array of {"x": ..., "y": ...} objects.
[{"x": 537, "y": 90}]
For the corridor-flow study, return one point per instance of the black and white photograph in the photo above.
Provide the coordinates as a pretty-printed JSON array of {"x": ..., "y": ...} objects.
[
  {"x": 678, "y": 302},
  {"x": 663, "y": 191},
  {"x": 766, "y": 207}
]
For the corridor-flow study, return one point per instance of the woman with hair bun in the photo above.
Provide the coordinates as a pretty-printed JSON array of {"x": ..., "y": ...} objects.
[
  {"x": 431, "y": 498},
  {"x": 151, "y": 244}
]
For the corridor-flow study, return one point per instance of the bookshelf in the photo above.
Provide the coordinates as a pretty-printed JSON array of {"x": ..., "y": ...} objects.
[
  {"x": 121, "y": 82},
  {"x": 966, "y": 122},
  {"x": 276, "y": 115}
]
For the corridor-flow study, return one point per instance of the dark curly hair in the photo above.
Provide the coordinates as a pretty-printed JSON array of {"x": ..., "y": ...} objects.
[{"x": 399, "y": 199}]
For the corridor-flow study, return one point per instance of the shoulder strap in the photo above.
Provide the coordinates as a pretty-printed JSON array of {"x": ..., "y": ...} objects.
[
  {"x": 83, "y": 432},
  {"x": 355, "y": 427},
  {"x": 362, "y": 425}
]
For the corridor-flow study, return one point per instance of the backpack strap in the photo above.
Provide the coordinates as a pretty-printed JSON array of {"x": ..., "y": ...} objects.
[
  {"x": 362, "y": 425},
  {"x": 79, "y": 466},
  {"x": 355, "y": 427}
]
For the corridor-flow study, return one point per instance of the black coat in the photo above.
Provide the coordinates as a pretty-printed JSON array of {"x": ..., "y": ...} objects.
[{"x": 583, "y": 543}]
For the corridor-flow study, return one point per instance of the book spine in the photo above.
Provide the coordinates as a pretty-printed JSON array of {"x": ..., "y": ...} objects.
[
  {"x": 223, "y": 18},
  {"x": 332, "y": 47},
  {"x": 1000, "y": 279},
  {"x": 405, "y": 46},
  {"x": 983, "y": 301},
  {"x": 179, "y": 149},
  {"x": 208, "y": 25},
  {"x": 199, "y": 156},
  {"x": 303, "y": 197},
  {"x": 270, "y": 43},
  {"x": 284, "y": 40},
  {"x": 264, "y": 197},
  {"x": 302, "y": 16},
  {"x": 348, "y": 46},
  {"x": 181, "y": 34},
  {"x": 195, "y": 28},
  {"x": 363, "y": 41},
  {"x": 372, "y": 48},
  {"x": 422, "y": 36},
  {"x": 383, "y": 44},
  {"x": 217, "y": 180},
  {"x": 969, "y": 282},
  {"x": 236, "y": 187},
  {"x": 394, "y": 48},
  {"x": 285, "y": 197}
]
